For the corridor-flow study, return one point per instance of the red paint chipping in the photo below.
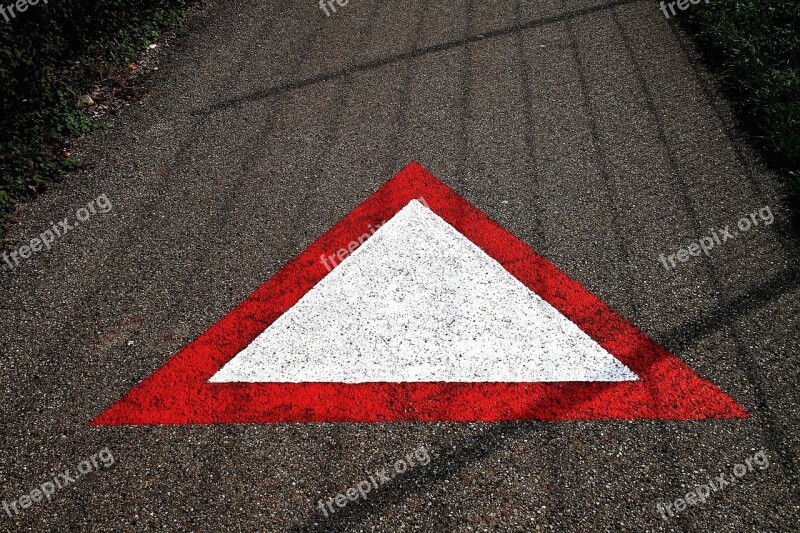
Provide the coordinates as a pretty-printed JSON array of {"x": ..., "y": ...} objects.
[{"x": 178, "y": 393}]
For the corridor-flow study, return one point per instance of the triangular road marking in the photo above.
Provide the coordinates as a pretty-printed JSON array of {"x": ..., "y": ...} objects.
[
  {"x": 419, "y": 302},
  {"x": 429, "y": 312}
]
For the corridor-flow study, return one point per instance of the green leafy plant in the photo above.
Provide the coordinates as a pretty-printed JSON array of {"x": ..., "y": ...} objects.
[{"x": 39, "y": 108}]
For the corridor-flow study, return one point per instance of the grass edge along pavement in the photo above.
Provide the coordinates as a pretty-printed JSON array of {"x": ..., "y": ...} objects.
[
  {"x": 753, "y": 45},
  {"x": 754, "y": 48},
  {"x": 52, "y": 54}
]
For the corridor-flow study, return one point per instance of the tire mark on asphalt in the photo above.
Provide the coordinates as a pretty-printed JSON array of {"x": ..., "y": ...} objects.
[
  {"x": 467, "y": 120},
  {"x": 713, "y": 104},
  {"x": 610, "y": 190},
  {"x": 404, "y": 56},
  {"x": 527, "y": 96},
  {"x": 775, "y": 430},
  {"x": 613, "y": 197}
]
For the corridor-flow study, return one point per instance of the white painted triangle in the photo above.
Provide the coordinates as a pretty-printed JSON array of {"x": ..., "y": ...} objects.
[{"x": 420, "y": 302}]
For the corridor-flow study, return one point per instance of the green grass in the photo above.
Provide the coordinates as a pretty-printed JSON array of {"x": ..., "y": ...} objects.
[
  {"x": 29, "y": 157},
  {"x": 755, "y": 47}
]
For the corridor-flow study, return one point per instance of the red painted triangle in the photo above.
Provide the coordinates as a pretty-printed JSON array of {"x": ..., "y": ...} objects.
[{"x": 179, "y": 392}]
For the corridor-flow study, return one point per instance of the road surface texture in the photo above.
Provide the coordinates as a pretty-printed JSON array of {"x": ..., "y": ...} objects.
[{"x": 586, "y": 128}]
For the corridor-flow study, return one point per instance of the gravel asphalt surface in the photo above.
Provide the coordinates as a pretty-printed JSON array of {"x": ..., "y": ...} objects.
[{"x": 588, "y": 129}]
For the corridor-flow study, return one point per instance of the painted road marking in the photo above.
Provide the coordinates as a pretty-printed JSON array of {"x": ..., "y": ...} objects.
[
  {"x": 494, "y": 332},
  {"x": 420, "y": 302}
]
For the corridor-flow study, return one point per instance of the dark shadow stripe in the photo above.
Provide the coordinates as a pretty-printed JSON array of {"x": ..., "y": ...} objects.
[
  {"x": 680, "y": 40},
  {"x": 394, "y": 160},
  {"x": 467, "y": 119},
  {"x": 527, "y": 103},
  {"x": 445, "y": 464},
  {"x": 404, "y": 56},
  {"x": 608, "y": 184},
  {"x": 726, "y": 314},
  {"x": 668, "y": 461},
  {"x": 774, "y": 429},
  {"x": 549, "y": 431}
]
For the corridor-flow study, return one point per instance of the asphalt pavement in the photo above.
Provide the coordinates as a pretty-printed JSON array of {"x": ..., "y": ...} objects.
[{"x": 590, "y": 130}]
